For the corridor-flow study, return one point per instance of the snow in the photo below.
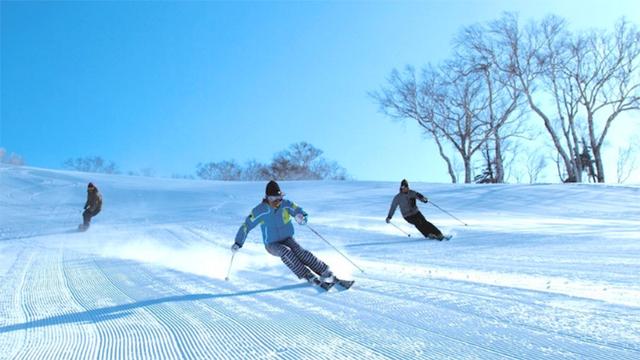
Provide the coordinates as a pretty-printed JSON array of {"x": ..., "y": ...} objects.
[{"x": 541, "y": 272}]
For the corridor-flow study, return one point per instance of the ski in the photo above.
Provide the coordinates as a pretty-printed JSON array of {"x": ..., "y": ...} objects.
[
  {"x": 345, "y": 284},
  {"x": 326, "y": 286},
  {"x": 443, "y": 238},
  {"x": 342, "y": 284}
]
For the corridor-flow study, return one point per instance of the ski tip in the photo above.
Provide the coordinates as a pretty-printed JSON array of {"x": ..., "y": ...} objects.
[{"x": 345, "y": 284}]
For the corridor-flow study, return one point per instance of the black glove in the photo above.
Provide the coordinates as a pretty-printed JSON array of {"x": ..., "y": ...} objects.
[{"x": 387, "y": 220}]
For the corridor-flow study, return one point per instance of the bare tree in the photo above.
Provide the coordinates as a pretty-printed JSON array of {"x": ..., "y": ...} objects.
[
  {"x": 451, "y": 103},
  {"x": 402, "y": 100},
  {"x": 14, "y": 159},
  {"x": 223, "y": 170},
  {"x": 492, "y": 171},
  {"x": 460, "y": 103},
  {"x": 329, "y": 170},
  {"x": 301, "y": 161},
  {"x": 11, "y": 159},
  {"x": 254, "y": 171},
  {"x": 537, "y": 57},
  {"x": 513, "y": 171},
  {"x": 626, "y": 164},
  {"x": 576, "y": 84},
  {"x": 554, "y": 60},
  {"x": 458, "y": 168},
  {"x": 479, "y": 51},
  {"x": 283, "y": 168},
  {"x": 593, "y": 71},
  {"x": 303, "y": 154},
  {"x": 95, "y": 164},
  {"x": 535, "y": 164},
  {"x": 607, "y": 78},
  {"x": 466, "y": 103},
  {"x": 295, "y": 162}
]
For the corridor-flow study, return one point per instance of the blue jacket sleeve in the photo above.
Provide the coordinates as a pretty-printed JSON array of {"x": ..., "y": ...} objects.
[
  {"x": 254, "y": 218},
  {"x": 293, "y": 208}
]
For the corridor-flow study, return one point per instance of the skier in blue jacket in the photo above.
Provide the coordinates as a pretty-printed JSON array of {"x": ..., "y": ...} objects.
[{"x": 274, "y": 215}]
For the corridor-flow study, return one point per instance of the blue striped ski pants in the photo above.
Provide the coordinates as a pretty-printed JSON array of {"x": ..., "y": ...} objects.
[{"x": 296, "y": 258}]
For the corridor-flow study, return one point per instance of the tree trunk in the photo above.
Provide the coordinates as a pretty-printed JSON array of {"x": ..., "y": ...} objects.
[
  {"x": 599, "y": 165},
  {"x": 467, "y": 170},
  {"x": 568, "y": 166},
  {"x": 498, "y": 160},
  {"x": 452, "y": 173},
  {"x": 595, "y": 148}
]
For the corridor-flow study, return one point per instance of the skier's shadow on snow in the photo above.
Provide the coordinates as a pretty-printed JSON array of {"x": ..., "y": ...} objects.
[
  {"x": 21, "y": 237},
  {"x": 121, "y": 311}
]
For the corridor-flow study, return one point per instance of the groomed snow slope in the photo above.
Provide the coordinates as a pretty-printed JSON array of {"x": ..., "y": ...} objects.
[{"x": 541, "y": 272}]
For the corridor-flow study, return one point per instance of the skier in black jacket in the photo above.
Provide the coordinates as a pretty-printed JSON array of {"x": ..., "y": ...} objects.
[
  {"x": 406, "y": 199},
  {"x": 92, "y": 207}
]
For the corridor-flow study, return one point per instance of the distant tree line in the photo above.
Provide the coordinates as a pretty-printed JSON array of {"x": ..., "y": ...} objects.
[
  {"x": 92, "y": 164},
  {"x": 506, "y": 83},
  {"x": 96, "y": 164},
  {"x": 301, "y": 161},
  {"x": 10, "y": 158}
]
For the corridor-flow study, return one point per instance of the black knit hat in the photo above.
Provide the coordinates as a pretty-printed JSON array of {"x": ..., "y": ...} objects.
[
  {"x": 90, "y": 185},
  {"x": 273, "y": 189},
  {"x": 404, "y": 183}
]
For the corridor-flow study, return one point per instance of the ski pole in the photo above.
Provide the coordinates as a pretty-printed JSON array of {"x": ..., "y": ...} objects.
[
  {"x": 230, "y": 263},
  {"x": 397, "y": 227},
  {"x": 336, "y": 249},
  {"x": 448, "y": 213}
]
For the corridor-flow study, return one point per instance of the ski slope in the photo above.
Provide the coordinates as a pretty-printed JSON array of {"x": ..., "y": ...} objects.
[{"x": 541, "y": 272}]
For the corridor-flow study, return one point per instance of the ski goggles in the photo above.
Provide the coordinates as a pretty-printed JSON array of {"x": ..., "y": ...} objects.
[{"x": 274, "y": 198}]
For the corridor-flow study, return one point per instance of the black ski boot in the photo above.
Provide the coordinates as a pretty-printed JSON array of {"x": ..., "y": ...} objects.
[
  {"x": 315, "y": 281},
  {"x": 328, "y": 277}
]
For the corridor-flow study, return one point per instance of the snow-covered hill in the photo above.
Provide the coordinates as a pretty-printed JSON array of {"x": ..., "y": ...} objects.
[{"x": 542, "y": 271}]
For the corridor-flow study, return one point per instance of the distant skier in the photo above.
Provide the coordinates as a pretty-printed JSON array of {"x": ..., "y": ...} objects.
[
  {"x": 274, "y": 215},
  {"x": 92, "y": 207},
  {"x": 406, "y": 199}
]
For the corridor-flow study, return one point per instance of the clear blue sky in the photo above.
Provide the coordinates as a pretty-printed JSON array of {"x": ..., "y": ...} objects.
[{"x": 169, "y": 84}]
